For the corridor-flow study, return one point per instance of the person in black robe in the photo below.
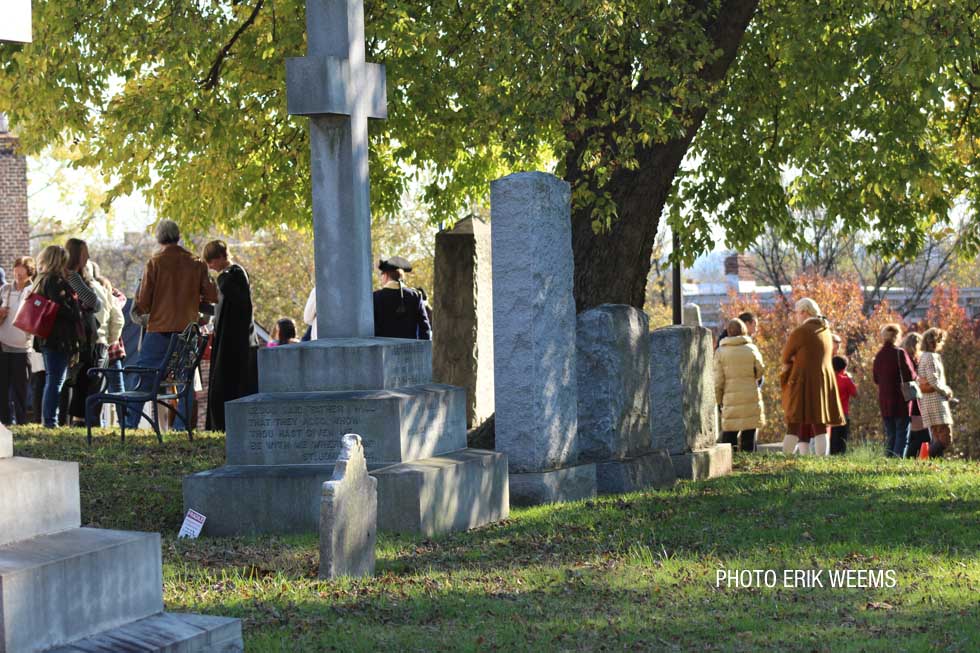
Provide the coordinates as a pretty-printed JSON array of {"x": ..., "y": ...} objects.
[
  {"x": 234, "y": 369},
  {"x": 399, "y": 311}
]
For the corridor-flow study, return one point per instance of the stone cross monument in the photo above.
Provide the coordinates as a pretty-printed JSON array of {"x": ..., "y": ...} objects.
[
  {"x": 339, "y": 91},
  {"x": 282, "y": 443}
]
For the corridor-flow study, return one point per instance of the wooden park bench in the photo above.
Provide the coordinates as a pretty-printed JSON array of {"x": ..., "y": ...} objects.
[{"x": 163, "y": 386}]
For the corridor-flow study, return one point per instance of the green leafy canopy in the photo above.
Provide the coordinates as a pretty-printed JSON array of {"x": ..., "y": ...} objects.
[{"x": 869, "y": 105}]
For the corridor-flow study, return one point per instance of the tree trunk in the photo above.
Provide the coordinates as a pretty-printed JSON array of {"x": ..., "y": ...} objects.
[{"x": 612, "y": 267}]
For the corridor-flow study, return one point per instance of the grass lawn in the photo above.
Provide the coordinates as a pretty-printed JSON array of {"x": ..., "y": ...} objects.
[{"x": 632, "y": 572}]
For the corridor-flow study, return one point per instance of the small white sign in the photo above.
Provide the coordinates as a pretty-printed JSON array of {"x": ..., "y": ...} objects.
[
  {"x": 15, "y": 21},
  {"x": 193, "y": 523}
]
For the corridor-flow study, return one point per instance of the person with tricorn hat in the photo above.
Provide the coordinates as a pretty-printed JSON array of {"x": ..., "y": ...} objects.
[{"x": 399, "y": 311}]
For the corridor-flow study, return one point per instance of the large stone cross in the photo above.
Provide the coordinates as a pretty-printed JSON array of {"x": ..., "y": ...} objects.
[{"x": 339, "y": 91}]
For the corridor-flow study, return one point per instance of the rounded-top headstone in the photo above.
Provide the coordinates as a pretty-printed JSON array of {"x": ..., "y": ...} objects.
[{"x": 349, "y": 515}]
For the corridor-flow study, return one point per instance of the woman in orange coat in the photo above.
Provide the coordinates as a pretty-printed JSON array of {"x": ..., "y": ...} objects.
[{"x": 809, "y": 386}]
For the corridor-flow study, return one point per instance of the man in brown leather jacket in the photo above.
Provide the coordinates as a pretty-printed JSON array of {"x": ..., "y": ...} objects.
[{"x": 175, "y": 283}]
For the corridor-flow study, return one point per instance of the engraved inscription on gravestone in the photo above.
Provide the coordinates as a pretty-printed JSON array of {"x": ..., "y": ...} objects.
[
  {"x": 311, "y": 433},
  {"x": 403, "y": 367}
]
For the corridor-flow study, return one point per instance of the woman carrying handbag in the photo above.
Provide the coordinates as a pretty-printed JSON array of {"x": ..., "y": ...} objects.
[
  {"x": 14, "y": 344},
  {"x": 61, "y": 344}
]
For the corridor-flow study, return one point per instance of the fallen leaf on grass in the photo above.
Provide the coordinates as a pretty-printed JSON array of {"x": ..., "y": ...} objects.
[{"x": 879, "y": 605}]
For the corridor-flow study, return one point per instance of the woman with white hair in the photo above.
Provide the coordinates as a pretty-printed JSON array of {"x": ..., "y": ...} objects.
[{"x": 809, "y": 386}]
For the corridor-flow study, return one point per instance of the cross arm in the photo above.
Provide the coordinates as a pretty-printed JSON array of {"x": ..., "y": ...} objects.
[{"x": 325, "y": 85}]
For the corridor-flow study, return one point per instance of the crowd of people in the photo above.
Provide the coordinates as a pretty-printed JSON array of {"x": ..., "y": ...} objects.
[
  {"x": 816, "y": 390},
  {"x": 85, "y": 319}
]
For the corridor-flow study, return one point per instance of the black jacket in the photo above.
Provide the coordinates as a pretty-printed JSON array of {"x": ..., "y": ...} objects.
[
  {"x": 66, "y": 334},
  {"x": 400, "y": 313},
  {"x": 234, "y": 373}
]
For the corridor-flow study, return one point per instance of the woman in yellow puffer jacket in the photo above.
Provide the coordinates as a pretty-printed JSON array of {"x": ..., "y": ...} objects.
[{"x": 738, "y": 374}]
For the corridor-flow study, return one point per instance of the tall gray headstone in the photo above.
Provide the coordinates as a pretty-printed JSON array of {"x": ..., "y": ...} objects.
[
  {"x": 349, "y": 515},
  {"x": 535, "y": 384},
  {"x": 613, "y": 364},
  {"x": 462, "y": 341},
  {"x": 682, "y": 400}
]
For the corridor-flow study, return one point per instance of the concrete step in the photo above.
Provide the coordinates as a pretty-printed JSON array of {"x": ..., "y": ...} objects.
[
  {"x": 257, "y": 499},
  {"x": 306, "y": 428},
  {"x": 653, "y": 469},
  {"x": 702, "y": 464},
  {"x": 553, "y": 485},
  {"x": 37, "y": 497},
  {"x": 452, "y": 492},
  {"x": 58, "y": 588},
  {"x": 165, "y": 633}
]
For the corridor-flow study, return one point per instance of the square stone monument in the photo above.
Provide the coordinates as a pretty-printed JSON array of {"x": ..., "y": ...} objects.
[
  {"x": 68, "y": 588},
  {"x": 683, "y": 410},
  {"x": 535, "y": 383},
  {"x": 613, "y": 367},
  {"x": 283, "y": 442},
  {"x": 462, "y": 339}
]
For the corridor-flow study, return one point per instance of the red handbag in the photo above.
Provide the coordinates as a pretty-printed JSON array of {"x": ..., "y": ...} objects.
[{"x": 36, "y": 315}]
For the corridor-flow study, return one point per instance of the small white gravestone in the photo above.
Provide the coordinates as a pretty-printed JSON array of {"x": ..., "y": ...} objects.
[
  {"x": 193, "y": 523},
  {"x": 349, "y": 515},
  {"x": 15, "y": 21},
  {"x": 692, "y": 315}
]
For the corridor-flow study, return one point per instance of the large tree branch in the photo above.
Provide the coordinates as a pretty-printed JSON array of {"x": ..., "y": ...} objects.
[{"x": 214, "y": 75}]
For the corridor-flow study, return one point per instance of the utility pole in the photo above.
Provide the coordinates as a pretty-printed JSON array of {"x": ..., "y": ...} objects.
[{"x": 676, "y": 295}]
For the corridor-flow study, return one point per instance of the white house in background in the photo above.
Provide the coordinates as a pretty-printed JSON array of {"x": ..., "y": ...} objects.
[{"x": 739, "y": 276}]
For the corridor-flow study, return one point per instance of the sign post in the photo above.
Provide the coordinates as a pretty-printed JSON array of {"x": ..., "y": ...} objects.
[{"x": 15, "y": 21}]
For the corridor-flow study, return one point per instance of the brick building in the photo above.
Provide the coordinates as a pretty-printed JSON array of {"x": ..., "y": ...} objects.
[{"x": 14, "y": 229}]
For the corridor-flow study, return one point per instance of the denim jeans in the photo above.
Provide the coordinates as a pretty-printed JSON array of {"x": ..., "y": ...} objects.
[
  {"x": 115, "y": 383},
  {"x": 152, "y": 352},
  {"x": 897, "y": 435},
  {"x": 56, "y": 368}
]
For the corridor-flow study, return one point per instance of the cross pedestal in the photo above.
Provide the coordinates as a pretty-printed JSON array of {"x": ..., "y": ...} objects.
[{"x": 282, "y": 443}]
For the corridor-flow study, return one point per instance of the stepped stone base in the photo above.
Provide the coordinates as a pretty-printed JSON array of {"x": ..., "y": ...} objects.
[
  {"x": 307, "y": 428},
  {"x": 257, "y": 499},
  {"x": 704, "y": 463},
  {"x": 62, "y": 587},
  {"x": 649, "y": 470},
  {"x": 456, "y": 491},
  {"x": 553, "y": 486},
  {"x": 37, "y": 497},
  {"x": 452, "y": 492},
  {"x": 331, "y": 364},
  {"x": 165, "y": 632}
]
